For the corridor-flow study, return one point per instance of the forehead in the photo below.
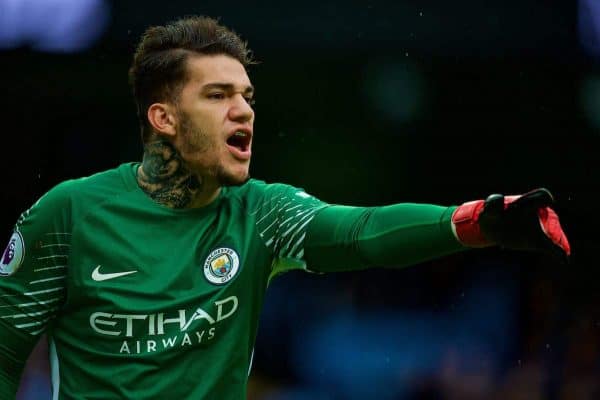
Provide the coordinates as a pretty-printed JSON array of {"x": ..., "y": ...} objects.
[{"x": 203, "y": 69}]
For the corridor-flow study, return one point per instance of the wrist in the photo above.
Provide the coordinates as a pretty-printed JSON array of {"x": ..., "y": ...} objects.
[{"x": 466, "y": 227}]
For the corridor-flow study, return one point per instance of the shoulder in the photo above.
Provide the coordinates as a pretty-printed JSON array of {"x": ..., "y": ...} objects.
[
  {"x": 256, "y": 189},
  {"x": 255, "y": 194},
  {"x": 68, "y": 193},
  {"x": 106, "y": 182}
]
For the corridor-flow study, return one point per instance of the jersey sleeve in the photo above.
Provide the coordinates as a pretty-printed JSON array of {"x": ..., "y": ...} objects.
[
  {"x": 282, "y": 217},
  {"x": 32, "y": 281},
  {"x": 343, "y": 238}
]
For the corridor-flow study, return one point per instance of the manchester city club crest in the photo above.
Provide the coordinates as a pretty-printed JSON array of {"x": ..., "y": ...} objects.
[
  {"x": 221, "y": 265},
  {"x": 13, "y": 255}
]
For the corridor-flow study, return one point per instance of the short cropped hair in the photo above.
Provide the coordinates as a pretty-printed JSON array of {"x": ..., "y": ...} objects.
[{"x": 158, "y": 72}]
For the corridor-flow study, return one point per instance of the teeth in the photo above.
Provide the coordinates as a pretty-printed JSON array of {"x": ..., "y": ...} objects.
[{"x": 241, "y": 134}]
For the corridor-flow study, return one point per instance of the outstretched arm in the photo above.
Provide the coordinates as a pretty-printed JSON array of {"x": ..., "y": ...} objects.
[{"x": 346, "y": 238}]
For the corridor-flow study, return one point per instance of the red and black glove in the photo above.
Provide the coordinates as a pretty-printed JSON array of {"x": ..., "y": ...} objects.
[{"x": 523, "y": 222}]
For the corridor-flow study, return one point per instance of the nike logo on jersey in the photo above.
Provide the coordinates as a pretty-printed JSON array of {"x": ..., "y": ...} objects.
[{"x": 99, "y": 276}]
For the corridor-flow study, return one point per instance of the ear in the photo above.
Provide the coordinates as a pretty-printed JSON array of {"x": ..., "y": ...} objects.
[{"x": 162, "y": 119}]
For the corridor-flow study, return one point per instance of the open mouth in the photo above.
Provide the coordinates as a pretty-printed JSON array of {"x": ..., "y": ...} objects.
[
  {"x": 240, "y": 140},
  {"x": 239, "y": 144}
]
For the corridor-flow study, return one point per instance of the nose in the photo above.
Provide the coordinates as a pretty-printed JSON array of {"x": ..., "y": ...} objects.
[{"x": 240, "y": 110}]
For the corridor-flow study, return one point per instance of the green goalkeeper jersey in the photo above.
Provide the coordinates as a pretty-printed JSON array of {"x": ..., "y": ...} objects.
[{"x": 141, "y": 301}]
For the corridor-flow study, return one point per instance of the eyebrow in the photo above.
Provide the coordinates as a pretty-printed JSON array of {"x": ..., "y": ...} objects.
[{"x": 229, "y": 87}]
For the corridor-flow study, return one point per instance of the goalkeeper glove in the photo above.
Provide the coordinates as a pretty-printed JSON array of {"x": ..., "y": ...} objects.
[{"x": 523, "y": 222}]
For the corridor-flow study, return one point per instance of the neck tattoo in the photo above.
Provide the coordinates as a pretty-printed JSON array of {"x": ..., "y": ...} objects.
[{"x": 164, "y": 177}]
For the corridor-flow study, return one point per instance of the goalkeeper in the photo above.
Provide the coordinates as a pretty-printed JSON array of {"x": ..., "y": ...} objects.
[{"x": 149, "y": 278}]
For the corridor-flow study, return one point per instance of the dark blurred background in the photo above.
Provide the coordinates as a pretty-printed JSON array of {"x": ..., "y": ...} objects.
[{"x": 362, "y": 103}]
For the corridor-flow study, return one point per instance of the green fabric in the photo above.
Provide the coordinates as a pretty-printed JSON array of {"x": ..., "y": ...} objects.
[
  {"x": 180, "y": 318},
  {"x": 13, "y": 348},
  {"x": 183, "y": 324},
  {"x": 342, "y": 238},
  {"x": 8, "y": 382}
]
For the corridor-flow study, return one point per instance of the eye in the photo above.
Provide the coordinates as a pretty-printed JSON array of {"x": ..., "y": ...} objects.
[
  {"x": 250, "y": 100},
  {"x": 216, "y": 96}
]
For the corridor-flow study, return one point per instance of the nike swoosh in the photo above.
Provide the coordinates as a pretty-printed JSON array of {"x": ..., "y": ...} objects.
[{"x": 99, "y": 277}]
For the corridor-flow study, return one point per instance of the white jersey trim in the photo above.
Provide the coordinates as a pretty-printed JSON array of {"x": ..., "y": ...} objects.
[{"x": 54, "y": 369}]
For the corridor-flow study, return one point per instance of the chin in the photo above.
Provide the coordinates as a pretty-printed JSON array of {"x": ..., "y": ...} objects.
[{"x": 233, "y": 179}]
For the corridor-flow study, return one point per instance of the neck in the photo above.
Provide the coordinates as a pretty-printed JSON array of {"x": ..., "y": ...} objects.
[{"x": 164, "y": 176}]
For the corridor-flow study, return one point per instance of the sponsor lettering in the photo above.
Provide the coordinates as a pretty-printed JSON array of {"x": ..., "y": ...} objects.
[
  {"x": 163, "y": 330},
  {"x": 177, "y": 341}
]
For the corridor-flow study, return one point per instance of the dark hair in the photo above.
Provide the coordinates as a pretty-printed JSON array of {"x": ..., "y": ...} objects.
[{"x": 158, "y": 71}]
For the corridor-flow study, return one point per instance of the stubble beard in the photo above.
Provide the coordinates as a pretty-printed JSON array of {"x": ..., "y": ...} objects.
[{"x": 197, "y": 142}]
